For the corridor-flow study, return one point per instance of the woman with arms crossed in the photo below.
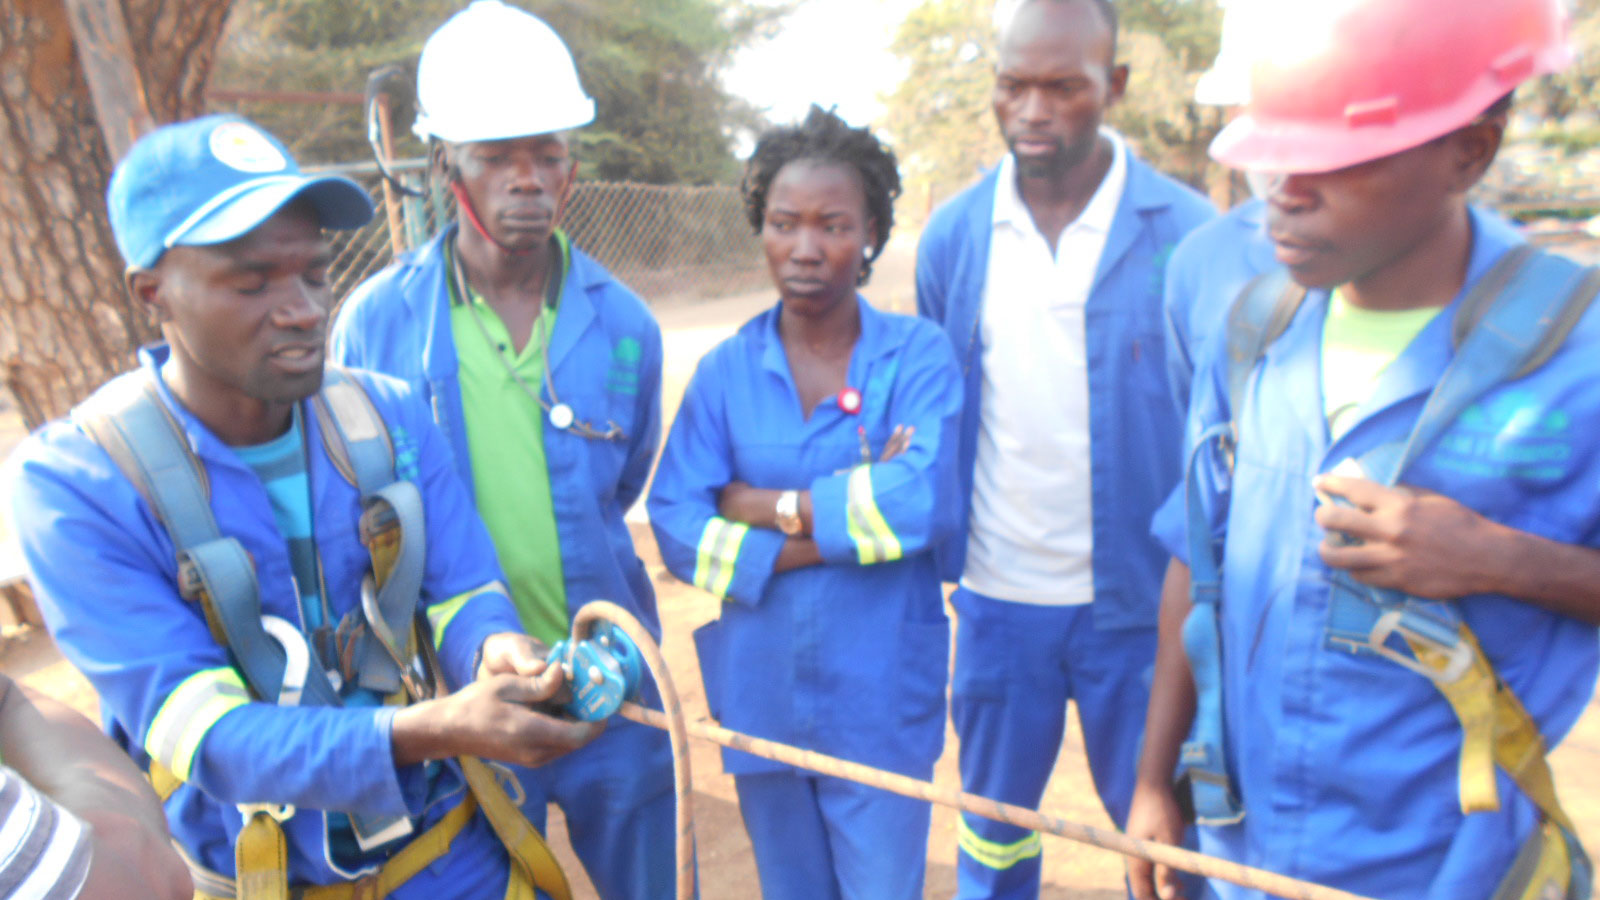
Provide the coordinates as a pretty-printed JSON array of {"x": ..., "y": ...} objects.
[{"x": 808, "y": 474}]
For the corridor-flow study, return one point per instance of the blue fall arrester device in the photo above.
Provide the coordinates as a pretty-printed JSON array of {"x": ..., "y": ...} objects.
[
  {"x": 1512, "y": 321},
  {"x": 603, "y": 669}
]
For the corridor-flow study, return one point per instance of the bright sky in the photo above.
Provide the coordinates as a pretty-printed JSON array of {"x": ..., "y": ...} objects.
[{"x": 829, "y": 52}]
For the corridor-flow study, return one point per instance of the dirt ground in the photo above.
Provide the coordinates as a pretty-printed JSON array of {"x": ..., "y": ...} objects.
[{"x": 727, "y": 871}]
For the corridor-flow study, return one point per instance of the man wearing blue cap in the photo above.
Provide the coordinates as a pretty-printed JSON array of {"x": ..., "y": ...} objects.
[{"x": 230, "y": 542}]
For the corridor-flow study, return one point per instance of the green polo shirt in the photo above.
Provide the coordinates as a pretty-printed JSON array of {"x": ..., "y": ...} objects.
[
  {"x": 505, "y": 439},
  {"x": 1357, "y": 347}
]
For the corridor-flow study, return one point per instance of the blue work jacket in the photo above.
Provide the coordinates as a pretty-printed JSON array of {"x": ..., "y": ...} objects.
[
  {"x": 850, "y": 657},
  {"x": 1134, "y": 432},
  {"x": 1208, "y": 270},
  {"x": 605, "y": 363},
  {"x": 1348, "y": 764},
  {"x": 105, "y": 574}
]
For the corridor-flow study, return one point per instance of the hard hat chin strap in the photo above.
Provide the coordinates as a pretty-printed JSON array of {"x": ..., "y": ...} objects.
[{"x": 464, "y": 203}]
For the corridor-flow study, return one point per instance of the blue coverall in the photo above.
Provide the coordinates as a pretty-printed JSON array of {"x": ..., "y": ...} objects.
[
  {"x": 1018, "y": 664},
  {"x": 105, "y": 575},
  {"x": 1348, "y": 764},
  {"x": 849, "y": 657},
  {"x": 604, "y": 363},
  {"x": 1207, "y": 271}
]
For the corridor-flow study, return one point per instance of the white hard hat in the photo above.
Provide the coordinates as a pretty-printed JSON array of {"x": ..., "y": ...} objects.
[
  {"x": 494, "y": 72},
  {"x": 1227, "y": 82}
]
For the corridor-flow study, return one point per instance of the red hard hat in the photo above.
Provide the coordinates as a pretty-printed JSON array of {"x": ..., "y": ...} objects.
[{"x": 1340, "y": 82}]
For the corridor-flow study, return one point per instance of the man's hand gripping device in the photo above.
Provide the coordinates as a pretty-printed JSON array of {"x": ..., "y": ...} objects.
[
  {"x": 1378, "y": 614},
  {"x": 602, "y": 670}
]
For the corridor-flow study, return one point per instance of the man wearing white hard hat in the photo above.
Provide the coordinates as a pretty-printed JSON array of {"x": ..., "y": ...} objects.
[
  {"x": 1386, "y": 579},
  {"x": 544, "y": 373}
]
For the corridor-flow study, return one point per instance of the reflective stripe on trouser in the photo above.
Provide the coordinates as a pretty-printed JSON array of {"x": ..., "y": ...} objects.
[
  {"x": 875, "y": 541},
  {"x": 992, "y": 854},
  {"x": 717, "y": 555},
  {"x": 1016, "y": 667}
]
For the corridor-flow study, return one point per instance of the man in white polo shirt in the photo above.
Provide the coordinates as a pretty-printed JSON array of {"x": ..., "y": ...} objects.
[{"x": 1047, "y": 276}]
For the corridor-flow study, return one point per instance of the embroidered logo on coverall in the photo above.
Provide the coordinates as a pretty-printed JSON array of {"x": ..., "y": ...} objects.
[
  {"x": 623, "y": 376},
  {"x": 405, "y": 454},
  {"x": 1509, "y": 435}
]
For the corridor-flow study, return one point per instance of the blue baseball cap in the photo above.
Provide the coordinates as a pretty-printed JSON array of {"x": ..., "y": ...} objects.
[{"x": 213, "y": 179}]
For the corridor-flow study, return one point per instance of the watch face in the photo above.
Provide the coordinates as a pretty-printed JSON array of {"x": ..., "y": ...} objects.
[{"x": 788, "y": 512}]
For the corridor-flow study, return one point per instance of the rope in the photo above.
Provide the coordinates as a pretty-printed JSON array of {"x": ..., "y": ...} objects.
[
  {"x": 673, "y": 722},
  {"x": 606, "y": 611}
]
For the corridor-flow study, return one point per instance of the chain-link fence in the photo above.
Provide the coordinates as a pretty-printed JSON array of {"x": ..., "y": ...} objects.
[{"x": 667, "y": 242}]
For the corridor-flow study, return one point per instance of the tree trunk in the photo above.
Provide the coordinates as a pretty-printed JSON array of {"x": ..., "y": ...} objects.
[{"x": 66, "y": 323}]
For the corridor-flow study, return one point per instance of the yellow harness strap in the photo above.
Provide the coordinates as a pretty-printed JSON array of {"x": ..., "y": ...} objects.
[
  {"x": 413, "y": 858},
  {"x": 261, "y": 853},
  {"x": 1496, "y": 730},
  {"x": 162, "y": 780},
  {"x": 261, "y": 858},
  {"x": 529, "y": 853}
]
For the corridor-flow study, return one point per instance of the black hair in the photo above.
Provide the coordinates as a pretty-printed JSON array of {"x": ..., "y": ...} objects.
[
  {"x": 1108, "y": 13},
  {"x": 824, "y": 137}
]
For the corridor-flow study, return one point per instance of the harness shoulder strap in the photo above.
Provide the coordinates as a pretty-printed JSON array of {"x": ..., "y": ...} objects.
[
  {"x": 1205, "y": 785},
  {"x": 1511, "y": 323},
  {"x": 1258, "y": 317},
  {"x": 392, "y": 528},
  {"x": 353, "y": 432},
  {"x": 131, "y": 422}
]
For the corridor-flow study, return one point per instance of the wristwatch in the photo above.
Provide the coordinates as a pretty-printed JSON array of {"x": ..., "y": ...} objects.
[{"x": 787, "y": 512}]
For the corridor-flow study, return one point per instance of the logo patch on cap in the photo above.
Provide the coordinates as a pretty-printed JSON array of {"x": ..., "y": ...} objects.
[{"x": 242, "y": 147}]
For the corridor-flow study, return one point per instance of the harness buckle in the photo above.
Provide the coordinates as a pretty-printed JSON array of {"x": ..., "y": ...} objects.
[
  {"x": 1457, "y": 653},
  {"x": 1228, "y": 442},
  {"x": 279, "y": 813},
  {"x": 393, "y": 645}
]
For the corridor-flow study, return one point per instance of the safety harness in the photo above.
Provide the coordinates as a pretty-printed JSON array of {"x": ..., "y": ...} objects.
[
  {"x": 1509, "y": 324},
  {"x": 383, "y": 646}
]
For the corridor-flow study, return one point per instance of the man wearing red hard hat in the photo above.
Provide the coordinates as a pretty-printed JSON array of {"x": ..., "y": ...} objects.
[{"x": 1382, "y": 607}]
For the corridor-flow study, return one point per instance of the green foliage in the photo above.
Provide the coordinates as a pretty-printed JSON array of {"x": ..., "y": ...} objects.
[
  {"x": 941, "y": 116},
  {"x": 651, "y": 65},
  {"x": 1570, "y": 140},
  {"x": 1577, "y": 90}
]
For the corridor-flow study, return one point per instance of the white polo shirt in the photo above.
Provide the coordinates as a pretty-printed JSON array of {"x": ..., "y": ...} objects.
[{"x": 1031, "y": 532}]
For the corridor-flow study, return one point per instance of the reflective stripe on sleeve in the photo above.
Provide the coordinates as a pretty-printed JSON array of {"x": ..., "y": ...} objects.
[
  {"x": 442, "y": 613},
  {"x": 188, "y": 714},
  {"x": 995, "y": 855},
  {"x": 718, "y": 553},
  {"x": 875, "y": 540}
]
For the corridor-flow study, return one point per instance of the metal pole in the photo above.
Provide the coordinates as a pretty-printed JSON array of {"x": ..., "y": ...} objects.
[{"x": 391, "y": 203}]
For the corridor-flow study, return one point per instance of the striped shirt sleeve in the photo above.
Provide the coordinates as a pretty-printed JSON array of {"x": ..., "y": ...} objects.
[{"x": 44, "y": 850}]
